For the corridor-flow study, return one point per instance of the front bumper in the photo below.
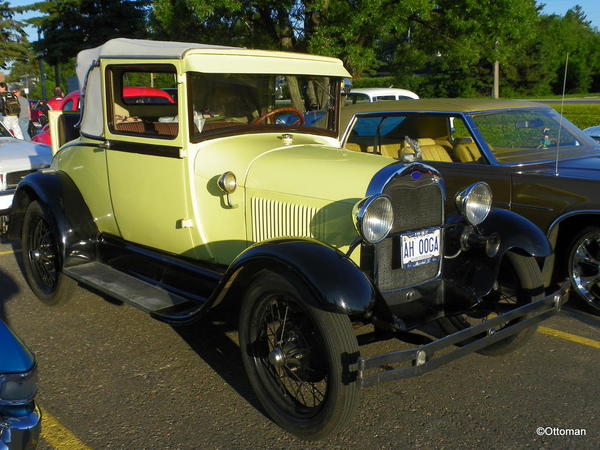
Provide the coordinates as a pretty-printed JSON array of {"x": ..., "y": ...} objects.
[
  {"x": 20, "y": 432},
  {"x": 423, "y": 358}
]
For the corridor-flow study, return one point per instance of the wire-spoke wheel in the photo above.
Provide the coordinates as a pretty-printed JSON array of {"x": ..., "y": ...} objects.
[
  {"x": 583, "y": 265},
  {"x": 519, "y": 282},
  {"x": 42, "y": 259},
  {"x": 299, "y": 359}
]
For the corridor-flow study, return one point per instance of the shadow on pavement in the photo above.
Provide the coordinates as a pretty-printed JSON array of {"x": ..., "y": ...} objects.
[
  {"x": 209, "y": 339},
  {"x": 8, "y": 289},
  {"x": 583, "y": 314}
]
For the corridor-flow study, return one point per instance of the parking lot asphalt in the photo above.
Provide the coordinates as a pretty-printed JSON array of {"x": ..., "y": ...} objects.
[{"x": 112, "y": 377}]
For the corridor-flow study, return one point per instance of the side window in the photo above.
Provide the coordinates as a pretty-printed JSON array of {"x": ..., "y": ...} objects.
[
  {"x": 141, "y": 101},
  {"x": 353, "y": 98},
  {"x": 410, "y": 137},
  {"x": 376, "y": 134},
  {"x": 464, "y": 148},
  {"x": 372, "y": 125},
  {"x": 68, "y": 106}
]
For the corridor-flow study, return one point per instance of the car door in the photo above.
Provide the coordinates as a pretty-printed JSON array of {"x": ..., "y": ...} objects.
[
  {"x": 458, "y": 176},
  {"x": 148, "y": 170}
]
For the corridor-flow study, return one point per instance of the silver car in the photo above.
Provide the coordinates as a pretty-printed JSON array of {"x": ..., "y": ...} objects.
[{"x": 17, "y": 159}]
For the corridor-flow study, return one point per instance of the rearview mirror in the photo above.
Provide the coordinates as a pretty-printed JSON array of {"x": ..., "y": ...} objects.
[{"x": 535, "y": 123}]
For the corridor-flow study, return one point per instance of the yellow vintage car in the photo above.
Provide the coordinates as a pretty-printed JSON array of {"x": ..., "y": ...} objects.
[{"x": 235, "y": 192}]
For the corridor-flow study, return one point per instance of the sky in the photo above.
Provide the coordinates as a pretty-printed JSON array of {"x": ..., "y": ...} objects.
[
  {"x": 560, "y": 7},
  {"x": 591, "y": 8}
]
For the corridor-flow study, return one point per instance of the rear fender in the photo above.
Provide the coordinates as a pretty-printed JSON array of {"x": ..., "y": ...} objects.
[
  {"x": 337, "y": 283},
  {"x": 63, "y": 203}
]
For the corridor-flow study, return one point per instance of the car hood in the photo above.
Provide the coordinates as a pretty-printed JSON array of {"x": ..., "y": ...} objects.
[
  {"x": 14, "y": 356},
  {"x": 17, "y": 154},
  {"x": 587, "y": 168},
  {"x": 315, "y": 171}
]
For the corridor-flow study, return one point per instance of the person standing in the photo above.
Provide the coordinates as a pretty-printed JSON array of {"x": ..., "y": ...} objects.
[
  {"x": 10, "y": 110},
  {"x": 56, "y": 101},
  {"x": 24, "y": 115}
]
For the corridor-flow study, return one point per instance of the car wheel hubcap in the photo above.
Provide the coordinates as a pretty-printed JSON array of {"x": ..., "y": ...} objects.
[
  {"x": 277, "y": 357},
  {"x": 43, "y": 255},
  {"x": 289, "y": 353},
  {"x": 585, "y": 269}
]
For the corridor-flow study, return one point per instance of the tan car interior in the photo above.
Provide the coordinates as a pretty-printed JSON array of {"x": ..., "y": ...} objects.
[{"x": 432, "y": 134}]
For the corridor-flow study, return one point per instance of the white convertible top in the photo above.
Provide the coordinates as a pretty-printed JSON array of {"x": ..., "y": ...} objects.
[
  {"x": 201, "y": 57},
  {"x": 90, "y": 85},
  {"x": 134, "y": 48}
]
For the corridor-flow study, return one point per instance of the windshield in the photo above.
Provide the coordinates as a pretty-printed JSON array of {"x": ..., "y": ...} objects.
[
  {"x": 4, "y": 132},
  {"x": 532, "y": 135},
  {"x": 223, "y": 103}
]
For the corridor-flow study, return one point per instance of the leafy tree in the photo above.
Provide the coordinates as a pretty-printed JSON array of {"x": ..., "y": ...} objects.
[
  {"x": 346, "y": 29},
  {"x": 458, "y": 43},
  {"x": 539, "y": 67},
  {"x": 69, "y": 26},
  {"x": 13, "y": 42}
]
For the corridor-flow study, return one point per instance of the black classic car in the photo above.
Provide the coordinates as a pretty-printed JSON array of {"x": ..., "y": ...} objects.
[{"x": 538, "y": 164}]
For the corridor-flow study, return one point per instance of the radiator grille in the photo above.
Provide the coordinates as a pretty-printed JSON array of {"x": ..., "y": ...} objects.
[
  {"x": 415, "y": 208},
  {"x": 273, "y": 219},
  {"x": 13, "y": 178}
]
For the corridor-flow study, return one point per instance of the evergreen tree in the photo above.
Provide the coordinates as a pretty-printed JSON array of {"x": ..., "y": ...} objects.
[{"x": 13, "y": 42}]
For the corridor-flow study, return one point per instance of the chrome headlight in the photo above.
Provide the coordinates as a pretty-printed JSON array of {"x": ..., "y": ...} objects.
[
  {"x": 227, "y": 182},
  {"x": 18, "y": 388},
  {"x": 475, "y": 202},
  {"x": 373, "y": 218}
]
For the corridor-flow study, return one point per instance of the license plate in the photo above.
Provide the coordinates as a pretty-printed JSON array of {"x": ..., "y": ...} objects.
[{"x": 420, "y": 247}]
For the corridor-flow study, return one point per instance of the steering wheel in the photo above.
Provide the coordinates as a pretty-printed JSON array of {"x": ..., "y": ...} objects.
[{"x": 278, "y": 111}]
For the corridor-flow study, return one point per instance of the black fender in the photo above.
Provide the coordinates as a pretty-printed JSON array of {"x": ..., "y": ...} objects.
[
  {"x": 473, "y": 272},
  {"x": 516, "y": 232},
  {"x": 64, "y": 205},
  {"x": 337, "y": 283}
]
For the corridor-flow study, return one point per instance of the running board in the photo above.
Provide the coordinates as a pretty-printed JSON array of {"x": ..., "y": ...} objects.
[{"x": 141, "y": 294}]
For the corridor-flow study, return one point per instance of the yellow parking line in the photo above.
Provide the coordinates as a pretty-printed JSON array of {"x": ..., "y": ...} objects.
[
  {"x": 10, "y": 252},
  {"x": 570, "y": 337},
  {"x": 58, "y": 436}
]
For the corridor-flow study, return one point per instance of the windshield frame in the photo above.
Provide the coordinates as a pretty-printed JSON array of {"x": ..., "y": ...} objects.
[{"x": 333, "y": 119}]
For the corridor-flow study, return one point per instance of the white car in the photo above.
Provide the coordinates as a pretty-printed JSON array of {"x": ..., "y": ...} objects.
[
  {"x": 366, "y": 95},
  {"x": 594, "y": 132},
  {"x": 17, "y": 159}
]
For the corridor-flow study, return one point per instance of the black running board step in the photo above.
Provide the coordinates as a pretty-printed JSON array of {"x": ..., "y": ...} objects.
[{"x": 141, "y": 294}]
